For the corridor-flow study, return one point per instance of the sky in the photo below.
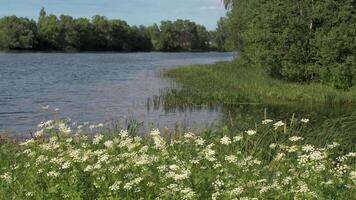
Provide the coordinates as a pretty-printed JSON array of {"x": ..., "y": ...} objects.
[{"x": 135, "y": 12}]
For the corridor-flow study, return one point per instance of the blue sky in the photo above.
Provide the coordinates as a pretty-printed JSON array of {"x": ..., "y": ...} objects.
[{"x": 135, "y": 12}]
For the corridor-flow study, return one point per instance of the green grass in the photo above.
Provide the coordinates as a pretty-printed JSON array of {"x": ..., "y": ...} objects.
[
  {"x": 220, "y": 165},
  {"x": 234, "y": 82}
]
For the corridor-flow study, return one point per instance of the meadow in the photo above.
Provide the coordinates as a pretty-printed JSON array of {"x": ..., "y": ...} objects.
[{"x": 65, "y": 162}]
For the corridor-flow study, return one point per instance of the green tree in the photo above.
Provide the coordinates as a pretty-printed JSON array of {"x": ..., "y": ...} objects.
[
  {"x": 49, "y": 31},
  {"x": 140, "y": 39},
  {"x": 69, "y": 33},
  {"x": 302, "y": 41},
  {"x": 182, "y": 35},
  {"x": 155, "y": 34},
  {"x": 101, "y": 36},
  {"x": 118, "y": 35},
  {"x": 85, "y": 34},
  {"x": 17, "y": 33}
]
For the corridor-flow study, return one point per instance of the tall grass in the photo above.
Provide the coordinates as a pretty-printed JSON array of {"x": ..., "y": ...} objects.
[{"x": 234, "y": 82}]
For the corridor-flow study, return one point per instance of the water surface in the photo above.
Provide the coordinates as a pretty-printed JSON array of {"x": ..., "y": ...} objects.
[{"x": 92, "y": 87}]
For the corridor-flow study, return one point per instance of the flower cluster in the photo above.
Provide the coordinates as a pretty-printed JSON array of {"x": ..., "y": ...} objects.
[{"x": 186, "y": 166}]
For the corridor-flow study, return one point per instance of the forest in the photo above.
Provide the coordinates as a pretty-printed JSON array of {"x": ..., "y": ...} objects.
[
  {"x": 65, "y": 33},
  {"x": 299, "y": 41}
]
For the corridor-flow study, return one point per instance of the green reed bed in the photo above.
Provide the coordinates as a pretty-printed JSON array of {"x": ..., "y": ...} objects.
[
  {"x": 235, "y": 82},
  {"x": 63, "y": 162}
]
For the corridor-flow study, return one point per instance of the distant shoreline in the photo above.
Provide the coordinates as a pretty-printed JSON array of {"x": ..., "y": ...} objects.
[{"x": 124, "y": 52}]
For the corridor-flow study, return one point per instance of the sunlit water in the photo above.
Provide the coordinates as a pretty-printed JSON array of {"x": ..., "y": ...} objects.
[{"x": 92, "y": 87}]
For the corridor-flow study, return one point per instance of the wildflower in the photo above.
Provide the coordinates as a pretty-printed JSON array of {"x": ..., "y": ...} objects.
[
  {"x": 27, "y": 142},
  {"x": 45, "y": 124},
  {"x": 195, "y": 161},
  {"x": 333, "y": 145},
  {"x": 237, "y": 138},
  {"x": 217, "y": 165},
  {"x": 250, "y": 132},
  {"x": 29, "y": 194},
  {"x": 218, "y": 183},
  {"x": 273, "y": 145},
  {"x": 155, "y": 132},
  {"x": 199, "y": 141},
  {"x": 188, "y": 135},
  {"x": 351, "y": 154},
  {"x": 108, "y": 144},
  {"x": 295, "y": 138},
  {"x": 124, "y": 133},
  {"x": 38, "y": 134},
  {"x": 329, "y": 182},
  {"x": 98, "y": 138},
  {"x": 66, "y": 165},
  {"x": 88, "y": 168},
  {"x": 353, "y": 175},
  {"x": 177, "y": 173},
  {"x": 157, "y": 139},
  {"x": 64, "y": 128},
  {"x": 302, "y": 187},
  {"x": 308, "y": 148},
  {"x": 115, "y": 186},
  {"x": 236, "y": 191},
  {"x": 129, "y": 185},
  {"x": 231, "y": 159},
  {"x": 188, "y": 193},
  {"x": 304, "y": 120},
  {"x": 264, "y": 189},
  {"x": 267, "y": 121},
  {"x": 6, "y": 177},
  {"x": 292, "y": 149},
  {"x": 316, "y": 155},
  {"x": 69, "y": 140},
  {"x": 279, "y": 156},
  {"x": 225, "y": 140},
  {"x": 287, "y": 180},
  {"x": 52, "y": 174},
  {"x": 278, "y": 124},
  {"x": 209, "y": 153}
]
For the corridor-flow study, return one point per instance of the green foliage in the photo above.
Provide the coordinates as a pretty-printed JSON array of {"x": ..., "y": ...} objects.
[
  {"x": 221, "y": 38},
  {"x": 17, "y": 33},
  {"x": 119, "y": 35},
  {"x": 299, "y": 41},
  {"x": 180, "y": 35},
  {"x": 49, "y": 32},
  {"x": 99, "y": 34}
]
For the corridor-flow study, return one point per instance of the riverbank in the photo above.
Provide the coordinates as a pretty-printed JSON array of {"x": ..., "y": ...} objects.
[{"x": 232, "y": 83}]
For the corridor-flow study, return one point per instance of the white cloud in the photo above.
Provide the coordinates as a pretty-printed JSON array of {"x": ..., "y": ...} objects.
[{"x": 210, "y": 8}]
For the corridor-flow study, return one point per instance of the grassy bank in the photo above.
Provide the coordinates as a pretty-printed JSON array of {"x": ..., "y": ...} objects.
[
  {"x": 57, "y": 164},
  {"x": 234, "y": 82}
]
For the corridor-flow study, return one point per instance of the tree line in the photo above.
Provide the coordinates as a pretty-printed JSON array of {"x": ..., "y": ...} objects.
[
  {"x": 65, "y": 33},
  {"x": 302, "y": 41}
]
